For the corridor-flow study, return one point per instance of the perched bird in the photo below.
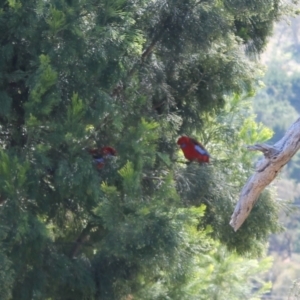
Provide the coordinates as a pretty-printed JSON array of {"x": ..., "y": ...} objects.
[
  {"x": 101, "y": 154},
  {"x": 193, "y": 150}
]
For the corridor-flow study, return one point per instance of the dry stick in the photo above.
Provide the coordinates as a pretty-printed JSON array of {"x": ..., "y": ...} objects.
[{"x": 275, "y": 158}]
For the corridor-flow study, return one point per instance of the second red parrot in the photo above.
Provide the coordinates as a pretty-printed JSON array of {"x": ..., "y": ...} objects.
[{"x": 100, "y": 155}]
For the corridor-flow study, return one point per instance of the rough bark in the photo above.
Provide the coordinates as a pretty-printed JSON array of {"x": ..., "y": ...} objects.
[{"x": 275, "y": 157}]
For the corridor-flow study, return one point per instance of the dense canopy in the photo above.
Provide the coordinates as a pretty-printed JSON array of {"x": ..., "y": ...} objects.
[{"x": 133, "y": 75}]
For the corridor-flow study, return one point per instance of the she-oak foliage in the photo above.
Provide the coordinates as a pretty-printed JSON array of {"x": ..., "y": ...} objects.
[{"x": 134, "y": 75}]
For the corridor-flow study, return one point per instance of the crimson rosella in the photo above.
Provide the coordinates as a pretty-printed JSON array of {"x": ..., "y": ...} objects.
[
  {"x": 193, "y": 150},
  {"x": 101, "y": 154}
]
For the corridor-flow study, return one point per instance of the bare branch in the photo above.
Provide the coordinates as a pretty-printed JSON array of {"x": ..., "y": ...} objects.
[
  {"x": 268, "y": 151},
  {"x": 275, "y": 158}
]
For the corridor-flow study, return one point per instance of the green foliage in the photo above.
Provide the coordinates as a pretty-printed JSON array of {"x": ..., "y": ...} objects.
[
  {"x": 218, "y": 186},
  {"x": 6, "y": 272},
  {"x": 133, "y": 75},
  {"x": 225, "y": 272},
  {"x": 277, "y": 104}
]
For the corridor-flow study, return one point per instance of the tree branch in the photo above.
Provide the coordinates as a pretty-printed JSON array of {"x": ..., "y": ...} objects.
[
  {"x": 82, "y": 238},
  {"x": 275, "y": 158},
  {"x": 150, "y": 48}
]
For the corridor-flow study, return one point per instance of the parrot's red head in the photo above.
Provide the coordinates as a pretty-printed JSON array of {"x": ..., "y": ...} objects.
[
  {"x": 108, "y": 151},
  {"x": 104, "y": 151},
  {"x": 183, "y": 141}
]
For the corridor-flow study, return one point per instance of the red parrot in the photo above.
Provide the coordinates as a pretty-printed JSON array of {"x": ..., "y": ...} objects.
[
  {"x": 193, "y": 150},
  {"x": 100, "y": 155}
]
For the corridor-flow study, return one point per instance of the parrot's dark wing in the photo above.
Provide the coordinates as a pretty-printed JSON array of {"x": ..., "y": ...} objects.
[
  {"x": 109, "y": 151},
  {"x": 199, "y": 147},
  {"x": 201, "y": 150}
]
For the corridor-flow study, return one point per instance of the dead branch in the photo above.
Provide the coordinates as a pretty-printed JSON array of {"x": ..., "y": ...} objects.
[{"x": 275, "y": 158}]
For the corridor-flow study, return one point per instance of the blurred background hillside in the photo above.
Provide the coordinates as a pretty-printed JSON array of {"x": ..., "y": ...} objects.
[{"x": 277, "y": 105}]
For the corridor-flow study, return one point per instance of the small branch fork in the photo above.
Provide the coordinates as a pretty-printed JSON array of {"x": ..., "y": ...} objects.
[{"x": 275, "y": 158}]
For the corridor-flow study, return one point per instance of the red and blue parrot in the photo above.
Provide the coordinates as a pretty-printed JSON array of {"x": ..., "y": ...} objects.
[
  {"x": 193, "y": 150},
  {"x": 101, "y": 154}
]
